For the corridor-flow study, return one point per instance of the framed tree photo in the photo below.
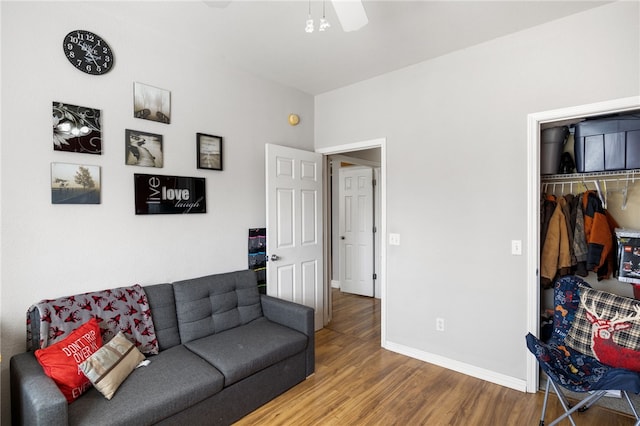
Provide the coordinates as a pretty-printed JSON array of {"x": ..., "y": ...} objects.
[
  {"x": 75, "y": 184},
  {"x": 209, "y": 151}
]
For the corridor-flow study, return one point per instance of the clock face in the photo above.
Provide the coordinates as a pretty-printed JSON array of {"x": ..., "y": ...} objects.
[{"x": 88, "y": 52}]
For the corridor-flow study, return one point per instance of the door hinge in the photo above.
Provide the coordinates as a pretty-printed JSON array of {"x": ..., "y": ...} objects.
[
  {"x": 375, "y": 276},
  {"x": 374, "y": 182},
  {"x": 375, "y": 229}
]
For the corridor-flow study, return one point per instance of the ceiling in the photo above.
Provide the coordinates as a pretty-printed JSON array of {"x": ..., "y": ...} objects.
[{"x": 267, "y": 38}]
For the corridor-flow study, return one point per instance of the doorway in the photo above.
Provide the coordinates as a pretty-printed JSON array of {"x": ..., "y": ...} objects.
[
  {"x": 355, "y": 246},
  {"x": 533, "y": 216},
  {"x": 371, "y": 153}
]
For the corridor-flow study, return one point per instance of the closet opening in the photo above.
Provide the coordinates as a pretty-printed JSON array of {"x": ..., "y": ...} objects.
[{"x": 619, "y": 189}]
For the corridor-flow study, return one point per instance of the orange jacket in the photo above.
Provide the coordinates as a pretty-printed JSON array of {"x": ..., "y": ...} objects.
[{"x": 598, "y": 230}]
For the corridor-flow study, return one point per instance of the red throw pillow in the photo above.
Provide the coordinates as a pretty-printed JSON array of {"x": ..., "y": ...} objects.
[{"x": 61, "y": 360}]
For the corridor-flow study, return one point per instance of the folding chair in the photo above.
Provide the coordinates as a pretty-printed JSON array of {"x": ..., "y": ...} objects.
[{"x": 573, "y": 370}]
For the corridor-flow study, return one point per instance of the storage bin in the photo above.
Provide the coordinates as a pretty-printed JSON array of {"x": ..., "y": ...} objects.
[
  {"x": 611, "y": 143},
  {"x": 551, "y": 147}
]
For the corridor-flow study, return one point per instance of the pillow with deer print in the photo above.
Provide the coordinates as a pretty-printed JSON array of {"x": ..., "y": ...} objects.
[{"x": 607, "y": 327}]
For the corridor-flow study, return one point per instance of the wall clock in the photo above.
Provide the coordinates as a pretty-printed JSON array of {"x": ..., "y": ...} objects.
[{"x": 88, "y": 52}]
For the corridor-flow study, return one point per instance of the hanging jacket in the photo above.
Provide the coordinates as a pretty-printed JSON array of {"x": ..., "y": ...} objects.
[
  {"x": 556, "y": 256},
  {"x": 547, "y": 207},
  {"x": 598, "y": 232},
  {"x": 580, "y": 248},
  {"x": 567, "y": 209}
]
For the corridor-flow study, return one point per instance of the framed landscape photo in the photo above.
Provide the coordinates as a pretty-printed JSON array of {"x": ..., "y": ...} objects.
[
  {"x": 151, "y": 103},
  {"x": 75, "y": 184},
  {"x": 143, "y": 149},
  {"x": 209, "y": 151},
  {"x": 77, "y": 129}
]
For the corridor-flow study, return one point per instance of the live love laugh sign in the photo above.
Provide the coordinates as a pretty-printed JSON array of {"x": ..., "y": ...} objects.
[{"x": 157, "y": 194}]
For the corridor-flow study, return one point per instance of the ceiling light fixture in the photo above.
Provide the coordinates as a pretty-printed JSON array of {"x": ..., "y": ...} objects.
[
  {"x": 309, "y": 27},
  {"x": 324, "y": 24}
]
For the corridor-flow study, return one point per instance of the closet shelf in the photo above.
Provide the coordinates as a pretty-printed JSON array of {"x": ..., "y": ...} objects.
[{"x": 617, "y": 175}]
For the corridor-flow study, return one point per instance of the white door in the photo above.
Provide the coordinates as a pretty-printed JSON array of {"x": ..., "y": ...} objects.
[
  {"x": 356, "y": 230},
  {"x": 294, "y": 227}
]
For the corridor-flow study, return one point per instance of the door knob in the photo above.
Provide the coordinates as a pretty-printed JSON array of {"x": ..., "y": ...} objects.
[
  {"x": 342, "y": 238},
  {"x": 275, "y": 257}
]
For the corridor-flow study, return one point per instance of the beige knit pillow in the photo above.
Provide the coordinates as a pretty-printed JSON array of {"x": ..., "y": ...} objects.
[{"x": 111, "y": 364}]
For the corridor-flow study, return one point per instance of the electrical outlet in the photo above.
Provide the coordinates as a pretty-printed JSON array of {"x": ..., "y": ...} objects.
[
  {"x": 394, "y": 239},
  {"x": 439, "y": 324}
]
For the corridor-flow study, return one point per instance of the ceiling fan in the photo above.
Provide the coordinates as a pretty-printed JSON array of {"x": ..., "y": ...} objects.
[{"x": 351, "y": 13}]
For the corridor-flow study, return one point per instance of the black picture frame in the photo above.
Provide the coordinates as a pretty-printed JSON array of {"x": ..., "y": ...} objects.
[
  {"x": 209, "y": 149},
  {"x": 143, "y": 149},
  {"x": 161, "y": 194}
]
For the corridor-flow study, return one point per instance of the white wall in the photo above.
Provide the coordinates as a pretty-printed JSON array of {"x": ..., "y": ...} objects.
[
  {"x": 55, "y": 250},
  {"x": 456, "y": 130}
]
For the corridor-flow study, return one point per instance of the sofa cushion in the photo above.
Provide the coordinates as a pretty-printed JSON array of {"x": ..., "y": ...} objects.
[
  {"x": 61, "y": 360},
  {"x": 174, "y": 380},
  {"x": 163, "y": 312},
  {"x": 215, "y": 303},
  {"x": 111, "y": 364},
  {"x": 242, "y": 351}
]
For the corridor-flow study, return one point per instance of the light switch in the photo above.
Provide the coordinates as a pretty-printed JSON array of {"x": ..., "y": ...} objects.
[
  {"x": 516, "y": 247},
  {"x": 394, "y": 239}
]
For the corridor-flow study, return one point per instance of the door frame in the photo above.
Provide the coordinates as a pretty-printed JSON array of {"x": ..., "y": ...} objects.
[
  {"x": 382, "y": 276},
  {"x": 533, "y": 208}
]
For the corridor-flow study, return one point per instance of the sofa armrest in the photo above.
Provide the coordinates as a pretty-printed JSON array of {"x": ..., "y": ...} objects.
[
  {"x": 295, "y": 316},
  {"x": 35, "y": 398}
]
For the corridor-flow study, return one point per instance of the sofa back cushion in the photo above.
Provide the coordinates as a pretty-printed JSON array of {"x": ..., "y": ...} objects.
[
  {"x": 163, "y": 312},
  {"x": 214, "y": 303}
]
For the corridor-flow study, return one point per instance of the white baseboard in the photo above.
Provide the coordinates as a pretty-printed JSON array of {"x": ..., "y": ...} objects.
[
  {"x": 460, "y": 367},
  {"x": 335, "y": 284}
]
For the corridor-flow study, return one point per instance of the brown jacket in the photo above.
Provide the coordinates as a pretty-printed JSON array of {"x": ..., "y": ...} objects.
[{"x": 556, "y": 255}]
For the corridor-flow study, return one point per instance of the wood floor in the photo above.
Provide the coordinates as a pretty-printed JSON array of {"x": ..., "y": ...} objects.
[{"x": 359, "y": 383}]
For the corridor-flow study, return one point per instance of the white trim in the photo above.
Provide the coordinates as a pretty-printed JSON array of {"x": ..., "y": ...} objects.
[
  {"x": 356, "y": 146},
  {"x": 533, "y": 204},
  {"x": 460, "y": 367},
  {"x": 335, "y": 284},
  {"x": 355, "y": 160}
]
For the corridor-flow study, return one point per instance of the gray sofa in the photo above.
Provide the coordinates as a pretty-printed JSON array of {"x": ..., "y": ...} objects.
[{"x": 202, "y": 375}]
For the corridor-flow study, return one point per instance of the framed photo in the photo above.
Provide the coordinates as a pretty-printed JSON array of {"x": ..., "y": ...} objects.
[
  {"x": 209, "y": 151},
  {"x": 75, "y": 184},
  {"x": 143, "y": 149},
  {"x": 77, "y": 129},
  {"x": 151, "y": 103},
  {"x": 160, "y": 194}
]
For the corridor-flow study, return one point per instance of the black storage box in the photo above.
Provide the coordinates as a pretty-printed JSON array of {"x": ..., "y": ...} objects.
[{"x": 611, "y": 143}]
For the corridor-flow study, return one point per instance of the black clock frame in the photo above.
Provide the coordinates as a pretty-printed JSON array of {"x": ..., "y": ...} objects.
[{"x": 88, "y": 52}]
